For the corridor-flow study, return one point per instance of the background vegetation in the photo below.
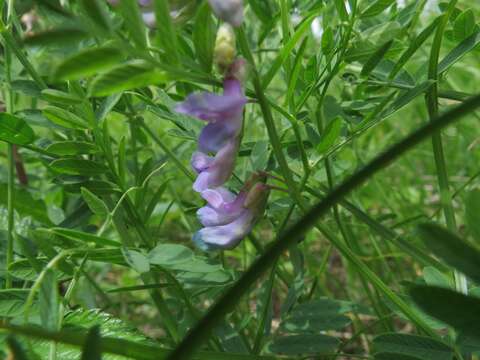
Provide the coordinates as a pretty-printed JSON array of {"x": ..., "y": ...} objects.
[{"x": 97, "y": 210}]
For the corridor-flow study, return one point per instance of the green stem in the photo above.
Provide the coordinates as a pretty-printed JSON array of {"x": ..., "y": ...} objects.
[
  {"x": 268, "y": 119},
  {"x": 12, "y": 44},
  {"x": 438, "y": 151},
  {"x": 230, "y": 298},
  {"x": 336, "y": 215},
  {"x": 10, "y": 159},
  {"x": 257, "y": 347},
  {"x": 10, "y": 216}
]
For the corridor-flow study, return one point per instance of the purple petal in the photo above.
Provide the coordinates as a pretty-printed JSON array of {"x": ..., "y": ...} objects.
[
  {"x": 202, "y": 182},
  {"x": 225, "y": 236},
  {"x": 214, "y": 135},
  {"x": 230, "y": 11},
  {"x": 218, "y": 197},
  {"x": 223, "y": 207},
  {"x": 208, "y": 216},
  {"x": 200, "y": 161},
  {"x": 149, "y": 19},
  {"x": 211, "y": 107},
  {"x": 232, "y": 86},
  {"x": 220, "y": 169}
]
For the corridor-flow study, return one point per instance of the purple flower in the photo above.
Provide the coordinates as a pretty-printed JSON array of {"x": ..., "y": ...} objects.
[
  {"x": 215, "y": 171},
  {"x": 228, "y": 219},
  {"x": 230, "y": 11},
  {"x": 223, "y": 207},
  {"x": 224, "y": 113},
  {"x": 148, "y": 18},
  {"x": 221, "y": 136}
]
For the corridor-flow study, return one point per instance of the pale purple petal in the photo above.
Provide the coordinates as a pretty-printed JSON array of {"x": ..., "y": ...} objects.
[
  {"x": 200, "y": 161},
  {"x": 225, "y": 236},
  {"x": 208, "y": 216},
  {"x": 202, "y": 182},
  {"x": 211, "y": 107},
  {"x": 231, "y": 85},
  {"x": 220, "y": 169},
  {"x": 218, "y": 197},
  {"x": 230, "y": 11},
  {"x": 214, "y": 135},
  {"x": 223, "y": 207},
  {"x": 149, "y": 19}
]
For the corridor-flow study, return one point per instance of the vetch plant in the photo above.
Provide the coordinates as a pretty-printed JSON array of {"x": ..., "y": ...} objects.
[
  {"x": 227, "y": 218},
  {"x": 141, "y": 139}
]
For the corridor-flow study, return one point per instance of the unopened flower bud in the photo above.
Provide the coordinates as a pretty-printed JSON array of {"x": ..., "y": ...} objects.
[
  {"x": 225, "y": 49},
  {"x": 230, "y": 11}
]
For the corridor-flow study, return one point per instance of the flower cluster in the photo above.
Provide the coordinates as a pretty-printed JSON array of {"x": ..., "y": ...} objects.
[
  {"x": 221, "y": 136},
  {"x": 227, "y": 218}
]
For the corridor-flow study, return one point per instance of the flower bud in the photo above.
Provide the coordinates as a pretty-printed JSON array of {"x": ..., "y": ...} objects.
[
  {"x": 230, "y": 11},
  {"x": 225, "y": 50}
]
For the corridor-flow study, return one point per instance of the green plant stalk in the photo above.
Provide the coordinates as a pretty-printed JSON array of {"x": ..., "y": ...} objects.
[
  {"x": 321, "y": 269},
  {"x": 12, "y": 44},
  {"x": 230, "y": 298},
  {"x": 10, "y": 160},
  {"x": 438, "y": 151},
  {"x": 348, "y": 242},
  {"x": 257, "y": 346},
  {"x": 10, "y": 214},
  {"x": 268, "y": 119}
]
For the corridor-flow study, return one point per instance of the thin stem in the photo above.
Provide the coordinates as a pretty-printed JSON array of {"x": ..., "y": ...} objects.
[
  {"x": 268, "y": 118},
  {"x": 10, "y": 215},
  {"x": 10, "y": 160},
  {"x": 336, "y": 215},
  {"x": 438, "y": 151},
  {"x": 12, "y": 44}
]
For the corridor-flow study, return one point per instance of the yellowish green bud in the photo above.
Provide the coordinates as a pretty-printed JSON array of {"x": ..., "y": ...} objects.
[{"x": 225, "y": 49}]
